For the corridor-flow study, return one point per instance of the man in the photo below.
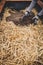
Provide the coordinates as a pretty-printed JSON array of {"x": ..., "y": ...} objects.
[{"x": 28, "y": 12}]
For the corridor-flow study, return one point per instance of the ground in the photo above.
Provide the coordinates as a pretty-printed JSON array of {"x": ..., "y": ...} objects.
[{"x": 20, "y": 44}]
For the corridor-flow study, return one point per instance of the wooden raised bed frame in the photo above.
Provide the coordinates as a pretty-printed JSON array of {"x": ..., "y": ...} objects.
[{"x": 2, "y": 3}]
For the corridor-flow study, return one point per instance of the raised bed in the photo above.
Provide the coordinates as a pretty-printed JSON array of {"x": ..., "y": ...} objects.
[{"x": 2, "y": 3}]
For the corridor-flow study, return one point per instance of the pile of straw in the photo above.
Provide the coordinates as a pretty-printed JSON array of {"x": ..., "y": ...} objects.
[{"x": 20, "y": 45}]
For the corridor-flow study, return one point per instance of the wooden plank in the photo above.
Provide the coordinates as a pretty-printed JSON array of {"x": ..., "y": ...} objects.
[
  {"x": 18, "y": 0},
  {"x": 40, "y": 3},
  {"x": 2, "y": 5}
]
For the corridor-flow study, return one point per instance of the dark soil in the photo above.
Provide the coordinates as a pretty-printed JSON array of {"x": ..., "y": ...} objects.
[{"x": 16, "y": 18}]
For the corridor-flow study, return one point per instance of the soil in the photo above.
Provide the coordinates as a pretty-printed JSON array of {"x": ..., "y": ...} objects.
[{"x": 16, "y": 18}]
